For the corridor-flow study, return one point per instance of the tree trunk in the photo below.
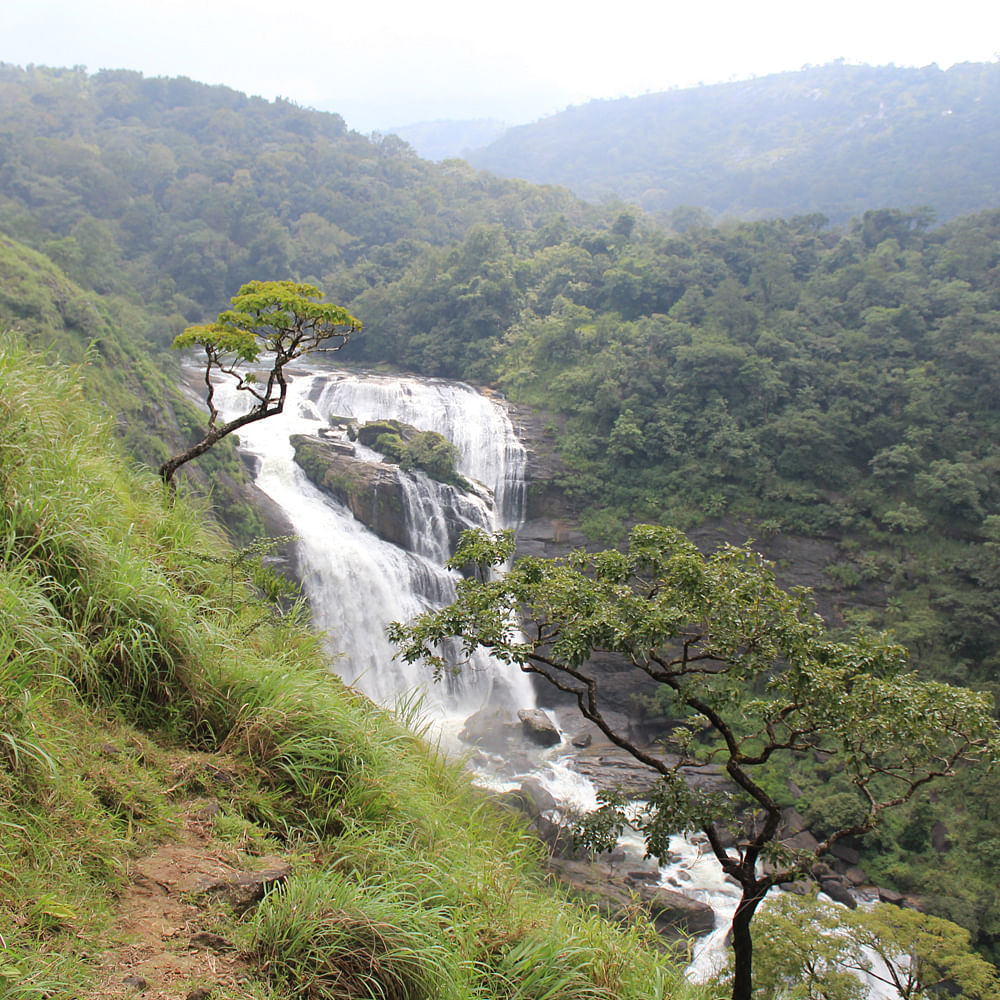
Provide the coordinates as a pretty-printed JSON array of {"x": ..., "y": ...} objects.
[
  {"x": 259, "y": 412},
  {"x": 743, "y": 941},
  {"x": 171, "y": 465}
]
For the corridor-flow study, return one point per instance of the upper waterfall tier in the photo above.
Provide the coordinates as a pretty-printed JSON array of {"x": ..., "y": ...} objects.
[
  {"x": 476, "y": 424},
  {"x": 356, "y": 582}
]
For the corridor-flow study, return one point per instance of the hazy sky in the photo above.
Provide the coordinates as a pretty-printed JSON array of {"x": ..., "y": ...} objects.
[{"x": 394, "y": 62}]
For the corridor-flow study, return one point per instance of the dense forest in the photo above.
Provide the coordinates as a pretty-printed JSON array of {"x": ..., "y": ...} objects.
[
  {"x": 835, "y": 139},
  {"x": 177, "y": 192},
  {"x": 835, "y": 382}
]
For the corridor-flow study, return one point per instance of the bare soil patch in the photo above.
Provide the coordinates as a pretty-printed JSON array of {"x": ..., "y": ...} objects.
[{"x": 165, "y": 942}]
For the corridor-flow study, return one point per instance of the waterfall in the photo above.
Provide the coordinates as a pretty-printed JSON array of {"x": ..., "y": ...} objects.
[
  {"x": 355, "y": 582},
  {"x": 478, "y": 425}
]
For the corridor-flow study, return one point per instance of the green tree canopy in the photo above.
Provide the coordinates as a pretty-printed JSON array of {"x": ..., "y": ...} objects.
[
  {"x": 280, "y": 319},
  {"x": 738, "y": 659},
  {"x": 810, "y": 950}
]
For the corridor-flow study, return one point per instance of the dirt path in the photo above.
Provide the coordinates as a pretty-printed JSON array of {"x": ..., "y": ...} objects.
[{"x": 166, "y": 943}]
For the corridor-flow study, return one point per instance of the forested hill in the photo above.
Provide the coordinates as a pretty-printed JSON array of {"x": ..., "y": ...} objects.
[
  {"x": 789, "y": 376},
  {"x": 173, "y": 193},
  {"x": 810, "y": 381},
  {"x": 835, "y": 139}
]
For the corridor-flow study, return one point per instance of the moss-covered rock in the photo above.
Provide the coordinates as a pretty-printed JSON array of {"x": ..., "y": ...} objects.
[
  {"x": 410, "y": 448},
  {"x": 373, "y": 493}
]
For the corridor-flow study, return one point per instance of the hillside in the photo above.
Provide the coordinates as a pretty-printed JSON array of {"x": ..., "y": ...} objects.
[
  {"x": 128, "y": 375},
  {"x": 802, "y": 380},
  {"x": 172, "y": 193},
  {"x": 160, "y": 721},
  {"x": 833, "y": 139}
]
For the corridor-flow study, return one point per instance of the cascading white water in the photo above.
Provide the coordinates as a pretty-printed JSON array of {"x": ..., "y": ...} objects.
[
  {"x": 356, "y": 583},
  {"x": 475, "y": 423}
]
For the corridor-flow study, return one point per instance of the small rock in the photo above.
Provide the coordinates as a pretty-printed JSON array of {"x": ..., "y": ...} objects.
[
  {"x": 856, "y": 875},
  {"x": 672, "y": 910},
  {"x": 542, "y": 799},
  {"x": 821, "y": 870},
  {"x": 792, "y": 821},
  {"x": 223, "y": 778},
  {"x": 800, "y": 888},
  {"x": 845, "y": 853},
  {"x": 210, "y": 941},
  {"x": 839, "y": 893},
  {"x": 489, "y": 728},
  {"x": 890, "y": 896},
  {"x": 136, "y": 982},
  {"x": 199, "y": 994},
  {"x": 244, "y": 889},
  {"x": 650, "y": 877},
  {"x": 582, "y": 740},
  {"x": 802, "y": 841}
]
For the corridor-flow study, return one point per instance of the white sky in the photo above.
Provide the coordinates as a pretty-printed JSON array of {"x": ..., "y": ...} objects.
[{"x": 391, "y": 62}]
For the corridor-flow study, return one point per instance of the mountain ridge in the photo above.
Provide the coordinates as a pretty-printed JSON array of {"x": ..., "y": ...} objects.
[{"x": 883, "y": 136}]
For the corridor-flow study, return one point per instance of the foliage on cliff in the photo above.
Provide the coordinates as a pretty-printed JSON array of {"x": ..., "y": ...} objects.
[
  {"x": 834, "y": 382},
  {"x": 137, "y": 676},
  {"x": 123, "y": 370},
  {"x": 283, "y": 320},
  {"x": 741, "y": 664},
  {"x": 792, "y": 378},
  {"x": 807, "y": 380},
  {"x": 411, "y": 448}
]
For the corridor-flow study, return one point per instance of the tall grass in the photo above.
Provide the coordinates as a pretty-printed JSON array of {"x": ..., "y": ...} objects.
[
  {"x": 327, "y": 937},
  {"x": 133, "y": 667}
]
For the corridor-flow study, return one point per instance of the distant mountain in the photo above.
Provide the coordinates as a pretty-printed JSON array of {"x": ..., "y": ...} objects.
[
  {"x": 834, "y": 139},
  {"x": 445, "y": 140}
]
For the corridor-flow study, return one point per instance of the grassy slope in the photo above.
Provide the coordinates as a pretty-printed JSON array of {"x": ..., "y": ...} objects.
[
  {"x": 123, "y": 660},
  {"x": 132, "y": 379}
]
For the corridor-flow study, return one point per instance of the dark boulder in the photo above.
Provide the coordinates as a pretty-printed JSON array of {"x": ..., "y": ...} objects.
[
  {"x": 488, "y": 726},
  {"x": 538, "y": 727},
  {"x": 842, "y": 852},
  {"x": 673, "y": 914},
  {"x": 839, "y": 893}
]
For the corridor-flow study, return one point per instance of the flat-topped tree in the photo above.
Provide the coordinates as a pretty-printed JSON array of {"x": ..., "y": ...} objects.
[
  {"x": 281, "y": 319},
  {"x": 747, "y": 668}
]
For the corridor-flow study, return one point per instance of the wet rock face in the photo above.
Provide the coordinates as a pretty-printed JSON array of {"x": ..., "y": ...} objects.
[
  {"x": 673, "y": 914},
  {"x": 491, "y": 729},
  {"x": 372, "y": 492}
]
